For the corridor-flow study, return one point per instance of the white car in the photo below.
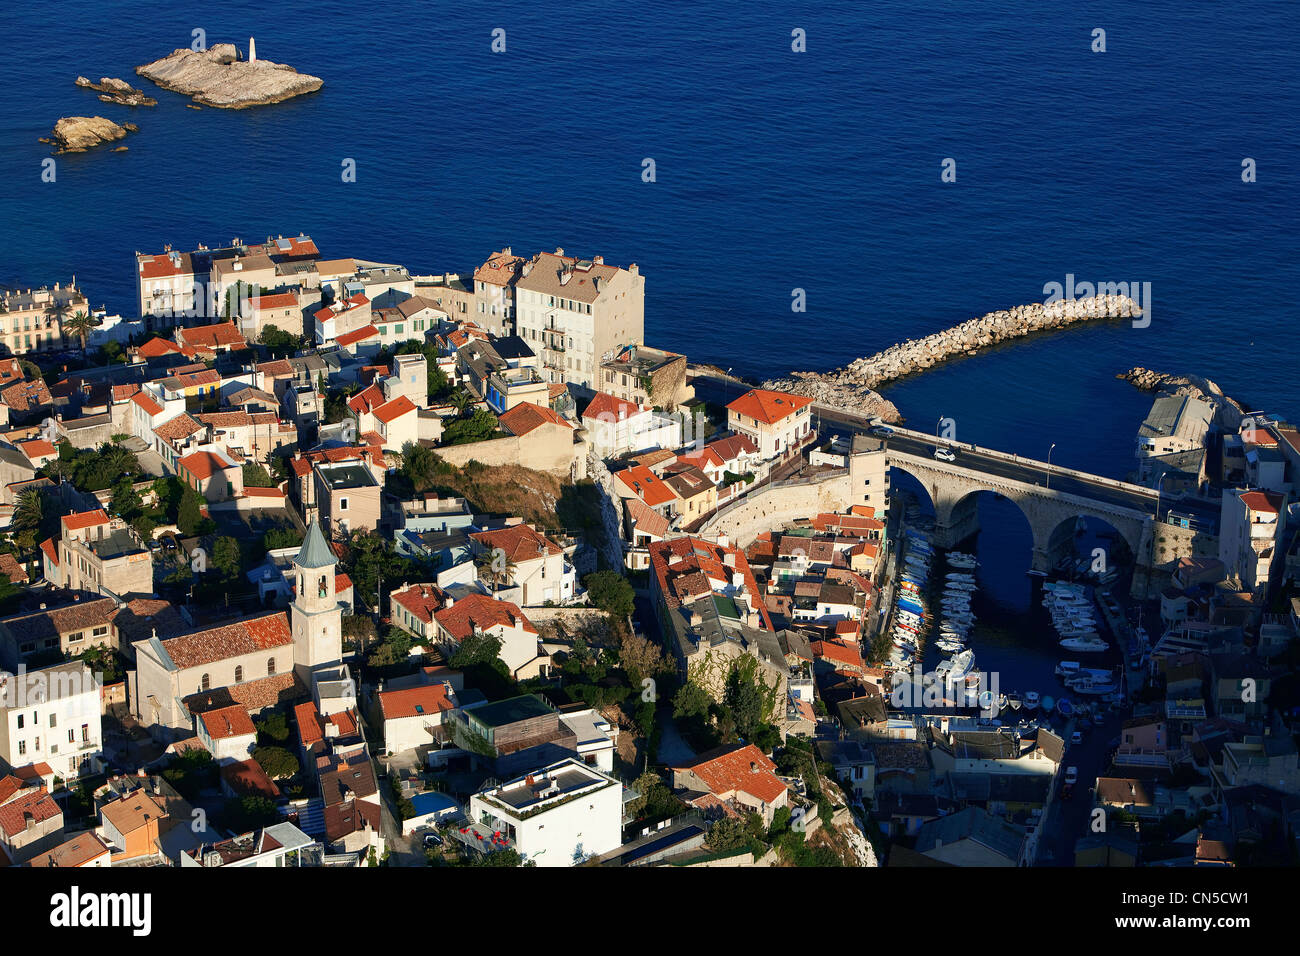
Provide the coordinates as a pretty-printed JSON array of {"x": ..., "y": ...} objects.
[
  {"x": 945, "y": 454},
  {"x": 1071, "y": 776}
]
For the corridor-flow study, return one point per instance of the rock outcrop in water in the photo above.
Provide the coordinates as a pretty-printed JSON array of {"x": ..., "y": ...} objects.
[
  {"x": 113, "y": 90},
  {"x": 76, "y": 134},
  {"x": 852, "y": 388},
  {"x": 1227, "y": 412},
  {"x": 218, "y": 77}
]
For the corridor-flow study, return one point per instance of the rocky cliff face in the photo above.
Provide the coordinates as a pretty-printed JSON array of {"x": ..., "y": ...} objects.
[
  {"x": 76, "y": 134},
  {"x": 113, "y": 90},
  {"x": 1227, "y": 412},
  {"x": 852, "y": 388},
  {"x": 217, "y": 77}
]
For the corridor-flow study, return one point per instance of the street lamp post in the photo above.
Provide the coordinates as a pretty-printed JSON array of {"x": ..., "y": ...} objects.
[{"x": 1049, "y": 465}]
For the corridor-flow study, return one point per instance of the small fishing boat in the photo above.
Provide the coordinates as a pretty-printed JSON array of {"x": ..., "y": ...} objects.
[
  {"x": 1014, "y": 701},
  {"x": 1048, "y": 704},
  {"x": 1085, "y": 645},
  {"x": 1064, "y": 707},
  {"x": 1094, "y": 686}
]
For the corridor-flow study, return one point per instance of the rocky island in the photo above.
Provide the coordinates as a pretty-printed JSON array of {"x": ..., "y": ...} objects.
[
  {"x": 218, "y": 77},
  {"x": 76, "y": 134},
  {"x": 113, "y": 90},
  {"x": 852, "y": 388}
]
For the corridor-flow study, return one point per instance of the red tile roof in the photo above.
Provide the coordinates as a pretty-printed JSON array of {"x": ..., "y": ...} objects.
[
  {"x": 225, "y": 722},
  {"x": 213, "y": 336},
  {"x": 839, "y": 654},
  {"x": 415, "y": 701},
  {"x": 178, "y": 428},
  {"x": 520, "y": 542},
  {"x": 276, "y": 300},
  {"x": 700, "y": 562},
  {"x": 745, "y": 769},
  {"x": 481, "y": 612},
  {"x": 84, "y": 519},
  {"x": 202, "y": 464},
  {"x": 1268, "y": 502},
  {"x": 147, "y": 403},
  {"x": 51, "y": 550},
  {"x": 526, "y": 416},
  {"x": 229, "y": 640},
  {"x": 646, "y": 485},
  {"x": 421, "y": 601},
  {"x": 36, "y": 448},
  {"x": 367, "y": 400},
  {"x": 391, "y": 411},
  {"x": 605, "y": 407},
  {"x": 37, "y": 805},
  {"x": 158, "y": 347},
  {"x": 247, "y": 778},
  {"x": 357, "y": 335},
  {"x": 767, "y": 406}
]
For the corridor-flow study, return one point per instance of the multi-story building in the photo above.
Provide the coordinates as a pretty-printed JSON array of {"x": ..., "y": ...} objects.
[
  {"x": 97, "y": 553},
  {"x": 559, "y": 815},
  {"x": 775, "y": 422},
  {"x": 51, "y": 715},
  {"x": 532, "y": 567},
  {"x": 1172, "y": 437},
  {"x": 347, "y": 496},
  {"x": 31, "y": 320},
  {"x": 577, "y": 313},
  {"x": 647, "y": 376},
  {"x": 1250, "y": 530},
  {"x": 494, "y": 291},
  {"x": 173, "y": 286}
]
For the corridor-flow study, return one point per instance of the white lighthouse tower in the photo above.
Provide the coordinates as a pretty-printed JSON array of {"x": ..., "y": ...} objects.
[{"x": 252, "y": 50}]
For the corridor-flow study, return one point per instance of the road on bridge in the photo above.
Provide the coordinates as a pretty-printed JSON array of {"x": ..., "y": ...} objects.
[{"x": 1028, "y": 471}]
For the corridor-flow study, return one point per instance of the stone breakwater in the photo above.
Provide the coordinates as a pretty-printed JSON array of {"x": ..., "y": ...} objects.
[
  {"x": 218, "y": 77},
  {"x": 853, "y": 387},
  {"x": 1227, "y": 412}
]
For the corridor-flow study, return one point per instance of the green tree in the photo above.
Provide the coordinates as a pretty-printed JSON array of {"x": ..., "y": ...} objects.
[
  {"x": 419, "y": 465},
  {"x": 278, "y": 762},
  {"x": 691, "y": 700},
  {"x": 28, "y": 517},
  {"x": 226, "y": 557},
  {"x": 273, "y": 728},
  {"x": 477, "y": 648},
  {"x": 255, "y": 476},
  {"x": 80, "y": 324},
  {"x": 745, "y": 701},
  {"x": 188, "y": 516},
  {"x": 126, "y": 501},
  {"x": 611, "y": 592},
  {"x": 250, "y": 813},
  {"x": 282, "y": 537},
  {"x": 278, "y": 340},
  {"x": 463, "y": 431}
]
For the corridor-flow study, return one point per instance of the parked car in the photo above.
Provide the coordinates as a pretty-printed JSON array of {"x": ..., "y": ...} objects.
[
  {"x": 1076, "y": 738},
  {"x": 1071, "y": 776},
  {"x": 432, "y": 841},
  {"x": 945, "y": 454},
  {"x": 881, "y": 431}
]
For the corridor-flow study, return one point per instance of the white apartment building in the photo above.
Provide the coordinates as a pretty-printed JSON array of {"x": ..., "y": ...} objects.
[
  {"x": 1249, "y": 532},
  {"x": 558, "y": 816},
  {"x": 576, "y": 313},
  {"x": 774, "y": 421},
  {"x": 51, "y": 716}
]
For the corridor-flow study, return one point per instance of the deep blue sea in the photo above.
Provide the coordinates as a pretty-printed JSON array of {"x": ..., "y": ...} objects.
[{"x": 774, "y": 170}]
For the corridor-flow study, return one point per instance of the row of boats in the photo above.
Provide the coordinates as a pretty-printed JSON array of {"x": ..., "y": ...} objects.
[{"x": 1073, "y": 616}]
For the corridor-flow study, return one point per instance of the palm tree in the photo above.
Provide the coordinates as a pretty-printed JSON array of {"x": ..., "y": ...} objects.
[
  {"x": 80, "y": 324},
  {"x": 461, "y": 400},
  {"x": 496, "y": 567}
]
